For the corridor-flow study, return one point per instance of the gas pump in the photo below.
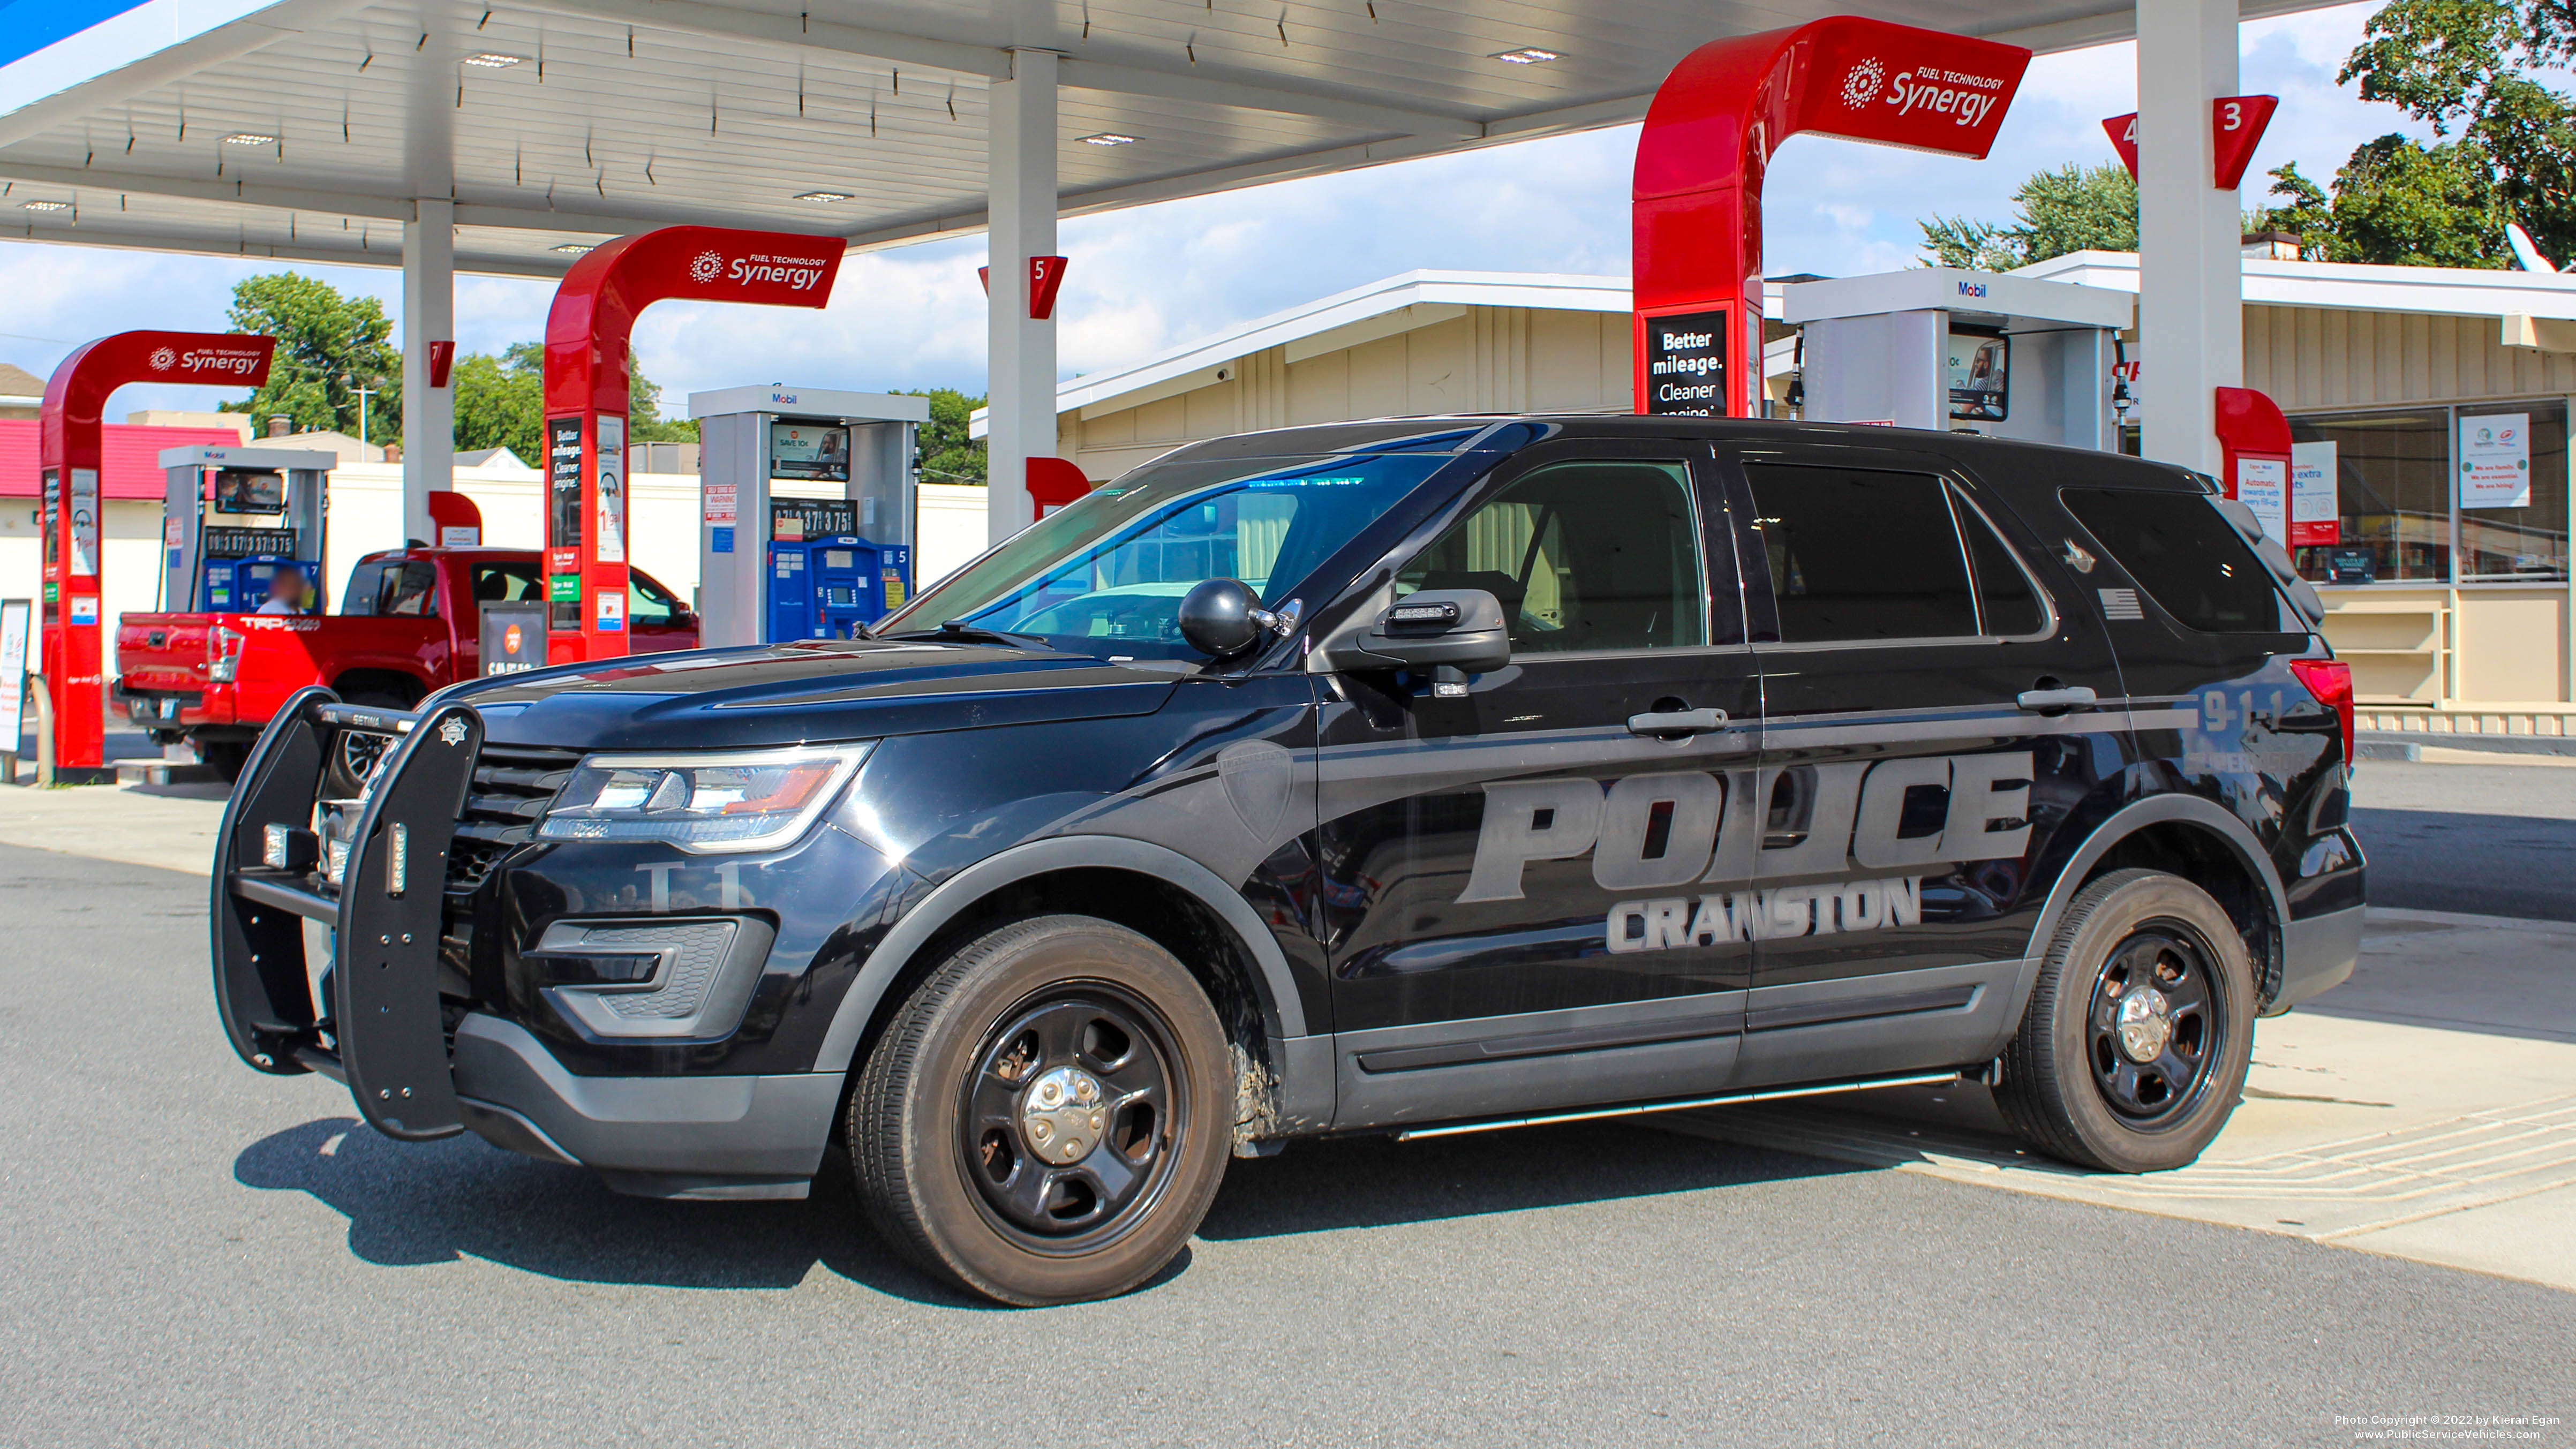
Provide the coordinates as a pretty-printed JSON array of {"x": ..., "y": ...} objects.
[
  {"x": 232, "y": 518},
  {"x": 1957, "y": 351},
  {"x": 806, "y": 498}
]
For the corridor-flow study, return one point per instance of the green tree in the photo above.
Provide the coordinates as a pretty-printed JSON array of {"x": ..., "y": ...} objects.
[
  {"x": 948, "y": 455},
  {"x": 501, "y": 401},
  {"x": 644, "y": 420},
  {"x": 2400, "y": 203},
  {"x": 2068, "y": 209},
  {"x": 328, "y": 347},
  {"x": 2474, "y": 67}
]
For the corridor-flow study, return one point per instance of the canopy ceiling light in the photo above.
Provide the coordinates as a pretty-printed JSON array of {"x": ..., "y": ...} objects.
[{"x": 1527, "y": 55}]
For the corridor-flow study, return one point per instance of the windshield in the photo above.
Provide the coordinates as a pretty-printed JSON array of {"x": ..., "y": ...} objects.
[{"x": 1105, "y": 575}]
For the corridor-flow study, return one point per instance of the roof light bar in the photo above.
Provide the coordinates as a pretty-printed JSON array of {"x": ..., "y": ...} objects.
[
  {"x": 493, "y": 60},
  {"x": 1526, "y": 55},
  {"x": 1109, "y": 138}
]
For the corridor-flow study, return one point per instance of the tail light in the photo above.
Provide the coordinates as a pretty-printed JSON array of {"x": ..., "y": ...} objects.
[
  {"x": 223, "y": 653},
  {"x": 2330, "y": 680}
]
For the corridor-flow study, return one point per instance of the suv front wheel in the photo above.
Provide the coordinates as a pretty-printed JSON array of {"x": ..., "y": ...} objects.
[
  {"x": 2133, "y": 1050},
  {"x": 1048, "y": 1115}
]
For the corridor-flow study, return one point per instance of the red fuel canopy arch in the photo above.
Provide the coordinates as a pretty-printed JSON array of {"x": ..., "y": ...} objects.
[
  {"x": 68, "y": 460},
  {"x": 1709, "y": 136},
  {"x": 588, "y": 395}
]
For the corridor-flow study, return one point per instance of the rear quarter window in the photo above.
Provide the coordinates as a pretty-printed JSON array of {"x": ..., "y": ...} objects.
[{"x": 2184, "y": 554}]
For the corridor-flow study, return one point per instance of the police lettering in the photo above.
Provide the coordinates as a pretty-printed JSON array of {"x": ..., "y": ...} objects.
[{"x": 1669, "y": 829}]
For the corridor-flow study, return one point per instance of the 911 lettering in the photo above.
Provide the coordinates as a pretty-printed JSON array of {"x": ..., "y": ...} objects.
[{"x": 1674, "y": 828}]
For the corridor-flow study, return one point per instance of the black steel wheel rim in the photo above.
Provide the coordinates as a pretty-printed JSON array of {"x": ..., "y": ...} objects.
[
  {"x": 2156, "y": 1027},
  {"x": 1054, "y": 1172}
]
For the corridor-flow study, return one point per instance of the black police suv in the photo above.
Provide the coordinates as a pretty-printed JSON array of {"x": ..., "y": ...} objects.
[{"x": 1422, "y": 776}]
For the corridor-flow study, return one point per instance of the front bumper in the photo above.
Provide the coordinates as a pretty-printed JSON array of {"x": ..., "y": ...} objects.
[
  {"x": 687, "y": 1137},
  {"x": 418, "y": 1068}
]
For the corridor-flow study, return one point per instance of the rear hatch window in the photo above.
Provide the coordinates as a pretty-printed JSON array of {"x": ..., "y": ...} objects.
[{"x": 2185, "y": 555}]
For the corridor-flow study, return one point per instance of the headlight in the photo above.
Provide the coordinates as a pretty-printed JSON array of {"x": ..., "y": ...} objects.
[{"x": 754, "y": 800}]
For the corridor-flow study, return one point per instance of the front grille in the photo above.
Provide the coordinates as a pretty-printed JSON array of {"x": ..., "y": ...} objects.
[{"x": 513, "y": 785}]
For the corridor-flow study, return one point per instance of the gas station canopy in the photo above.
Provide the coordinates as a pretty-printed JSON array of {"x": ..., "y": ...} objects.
[{"x": 310, "y": 129}]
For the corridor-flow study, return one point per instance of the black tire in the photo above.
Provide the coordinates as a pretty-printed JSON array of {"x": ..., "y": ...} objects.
[
  {"x": 2144, "y": 962},
  {"x": 954, "y": 1107}
]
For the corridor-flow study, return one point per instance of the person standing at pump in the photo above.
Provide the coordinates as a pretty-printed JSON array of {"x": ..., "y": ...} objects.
[{"x": 288, "y": 593}]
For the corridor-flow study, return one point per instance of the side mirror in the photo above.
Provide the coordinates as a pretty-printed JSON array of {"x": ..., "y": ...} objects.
[
  {"x": 1446, "y": 633},
  {"x": 1222, "y": 618}
]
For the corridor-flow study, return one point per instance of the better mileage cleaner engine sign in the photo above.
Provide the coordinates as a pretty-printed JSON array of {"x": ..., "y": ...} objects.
[{"x": 1686, "y": 364}]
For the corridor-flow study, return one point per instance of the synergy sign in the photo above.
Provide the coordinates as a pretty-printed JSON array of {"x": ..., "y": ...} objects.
[
  {"x": 1709, "y": 137},
  {"x": 226, "y": 362},
  {"x": 588, "y": 396},
  {"x": 1966, "y": 99},
  {"x": 796, "y": 274}
]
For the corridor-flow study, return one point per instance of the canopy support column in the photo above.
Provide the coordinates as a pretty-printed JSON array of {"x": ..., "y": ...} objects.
[
  {"x": 2191, "y": 320},
  {"x": 428, "y": 322},
  {"x": 1022, "y": 348}
]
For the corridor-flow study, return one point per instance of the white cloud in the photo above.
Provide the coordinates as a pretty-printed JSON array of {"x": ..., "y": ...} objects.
[{"x": 1144, "y": 279}]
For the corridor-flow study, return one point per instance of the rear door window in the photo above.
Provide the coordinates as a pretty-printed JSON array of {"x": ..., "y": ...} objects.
[
  {"x": 2184, "y": 554},
  {"x": 509, "y": 581},
  {"x": 409, "y": 591},
  {"x": 1859, "y": 555}
]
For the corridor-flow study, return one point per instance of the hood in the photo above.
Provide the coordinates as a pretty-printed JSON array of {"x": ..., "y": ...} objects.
[{"x": 807, "y": 690}]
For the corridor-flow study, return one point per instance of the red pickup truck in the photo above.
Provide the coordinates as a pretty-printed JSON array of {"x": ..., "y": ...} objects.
[{"x": 409, "y": 622}]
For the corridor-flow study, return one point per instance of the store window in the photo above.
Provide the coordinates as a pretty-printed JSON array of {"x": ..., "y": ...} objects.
[
  {"x": 2393, "y": 496},
  {"x": 2512, "y": 475}
]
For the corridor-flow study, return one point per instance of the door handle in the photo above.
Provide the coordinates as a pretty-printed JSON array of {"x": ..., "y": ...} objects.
[
  {"x": 2055, "y": 701},
  {"x": 1678, "y": 722}
]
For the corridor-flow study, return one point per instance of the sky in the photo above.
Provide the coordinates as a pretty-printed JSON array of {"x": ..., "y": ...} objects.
[{"x": 1149, "y": 278}]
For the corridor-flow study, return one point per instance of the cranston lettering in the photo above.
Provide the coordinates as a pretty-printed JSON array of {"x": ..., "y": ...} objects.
[
  {"x": 1966, "y": 98},
  {"x": 1658, "y": 831},
  {"x": 1771, "y": 915}
]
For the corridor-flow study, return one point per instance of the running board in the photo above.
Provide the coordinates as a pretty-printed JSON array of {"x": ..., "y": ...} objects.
[{"x": 1730, "y": 1099}]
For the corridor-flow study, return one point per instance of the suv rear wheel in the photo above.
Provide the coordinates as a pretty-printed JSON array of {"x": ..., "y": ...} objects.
[
  {"x": 2133, "y": 1051},
  {"x": 1047, "y": 1116}
]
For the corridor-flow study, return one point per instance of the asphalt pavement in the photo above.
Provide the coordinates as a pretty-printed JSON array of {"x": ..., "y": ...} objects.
[
  {"x": 2494, "y": 840},
  {"x": 196, "y": 1254}
]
